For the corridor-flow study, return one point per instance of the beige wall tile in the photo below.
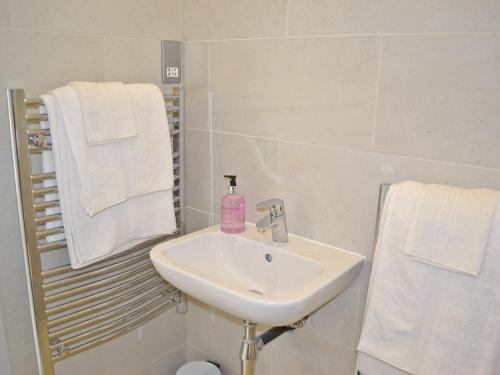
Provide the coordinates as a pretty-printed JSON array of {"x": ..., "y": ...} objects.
[
  {"x": 23, "y": 362},
  {"x": 334, "y": 197},
  {"x": 196, "y": 79},
  {"x": 438, "y": 16},
  {"x": 158, "y": 19},
  {"x": 305, "y": 352},
  {"x": 439, "y": 98},
  {"x": 197, "y": 169},
  {"x": 337, "y": 319},
  {"x": 316, "y": 90},
  {"x": 168, "y": 365},
  {"x": 10, "y": 231},
  {"x": 219, "y": 19},
  {"x": 319, "y": 17},
  {"x": 72, "y": 15},
  {"x": 196, "y": 220},
  {"x": 39, "y": 62},
  {"x": 200, "y": 323},
  {"x": 133, "y": 60},
  {"x": 4, "y": 351},
  {"x": 5, "y": 13},
  {"x": 255, "y": 163}
]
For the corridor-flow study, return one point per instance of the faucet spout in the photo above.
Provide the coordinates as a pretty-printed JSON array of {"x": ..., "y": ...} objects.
[
  {"x": 275, "y": 219},
  {"x": 266, "y": 223}
]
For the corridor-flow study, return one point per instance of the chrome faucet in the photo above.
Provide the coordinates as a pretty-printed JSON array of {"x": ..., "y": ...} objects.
[{"x": 276, "y": 219}]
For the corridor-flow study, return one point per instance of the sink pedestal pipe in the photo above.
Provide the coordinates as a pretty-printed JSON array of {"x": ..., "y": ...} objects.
[{"x": 252, "y": 344}]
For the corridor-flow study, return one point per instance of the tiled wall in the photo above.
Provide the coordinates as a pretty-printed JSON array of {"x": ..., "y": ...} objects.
[
  {"x": 45, "y": 44},
  {"x": 318, "y": 102}
]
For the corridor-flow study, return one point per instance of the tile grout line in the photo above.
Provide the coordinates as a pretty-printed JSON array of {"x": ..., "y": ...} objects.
[
  {"x": 278, "y": 170},
  {"x": 211, "y": 133},
  {"x": 329, "y": 339},
  {"x": 79, "y": 34},
  {"x": 287, "y": 10},
  {"x": 366, "y": 151},
  {"x": 377, "y": 91},
  {"x": 374, "y": 34},
  {"x": 198, "y": 210},
  {"x": 140, "y": 371}
]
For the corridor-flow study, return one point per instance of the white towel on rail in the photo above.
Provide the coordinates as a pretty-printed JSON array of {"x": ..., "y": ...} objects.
[
  {"x": 111, "y": 173},
  {"x": 451, "y": 226},
  {"x": 92, "y": 238},
  {"x": 426, "y": 320},
  {"x": 107, "y": 111},
  {"x": 149, "y": 156}
]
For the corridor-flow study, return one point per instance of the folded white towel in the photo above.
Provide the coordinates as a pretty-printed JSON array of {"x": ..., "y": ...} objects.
[
  {"x": 149, "y": 156},
  {"x": 451, "y": 226},
  {"x": 424, "y": 320},
  {"x": 101, "y": 170},
  {"x": 106, "y": 110},
  {"x": 92, "y": 238},
  {"x": 111, "y": 173}
]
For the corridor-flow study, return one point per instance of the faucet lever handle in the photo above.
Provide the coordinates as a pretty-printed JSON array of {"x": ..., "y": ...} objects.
[{"x": 271, "y": 204}]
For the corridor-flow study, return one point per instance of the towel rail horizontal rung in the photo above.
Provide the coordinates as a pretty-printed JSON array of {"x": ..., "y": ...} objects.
[
  {"x": 173, "y": 108},
  {"x": 113, "y": 334},
  {"x": 108, "y": 315},
  {"x": 56, "y": 297},
  {"x": 138, "y": 250},
  {"x": 157, "y": 286},
  {"x": 33, "y": 102},
  {"x": 43, "y": 191},
  {"x": 95, "y": 273},
  {"x": 40, "y": 235},
  {"x": 44, "y": 205},
  {"x": 37, "y": 102},
  {"x": 171, "y": 97},
  {"x": 36, "y": 118},
  {"x": 51, "y": 246},
  {"x": 102, "y": 295},
  {"x": 41, "y": 220},
  {"x": 173, "y": 120},
  {"x": 36, "y": 178},
  {"x": 96, "y": 331},
  {"x": 34, "y": 132},
  {"x": 67, "y": 269},
  {"x": 37, "y": 149}
]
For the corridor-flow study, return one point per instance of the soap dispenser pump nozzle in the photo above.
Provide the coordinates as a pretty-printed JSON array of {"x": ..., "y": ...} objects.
[{"x": 232, "y": 183}]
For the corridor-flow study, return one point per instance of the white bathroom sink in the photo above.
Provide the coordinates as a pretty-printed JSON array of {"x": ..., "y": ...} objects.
[{"x": 251, "y": 277}]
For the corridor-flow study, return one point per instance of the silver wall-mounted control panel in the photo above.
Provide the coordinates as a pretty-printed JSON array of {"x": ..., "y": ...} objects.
[{"x": 170, "y": 61}]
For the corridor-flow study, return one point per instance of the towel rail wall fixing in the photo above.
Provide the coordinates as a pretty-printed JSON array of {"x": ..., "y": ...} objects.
[{"x": 76, "y": 310}]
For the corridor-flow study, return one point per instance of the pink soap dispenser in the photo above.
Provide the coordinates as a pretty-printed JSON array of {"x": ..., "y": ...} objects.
[{"x": 232, "y": 209}]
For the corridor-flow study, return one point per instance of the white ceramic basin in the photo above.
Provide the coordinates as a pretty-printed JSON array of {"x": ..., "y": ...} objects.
[{"x": 251, "y": 277}]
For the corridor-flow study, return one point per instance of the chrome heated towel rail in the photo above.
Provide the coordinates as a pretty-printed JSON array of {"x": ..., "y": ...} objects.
[{"x": 75, "y": 310}]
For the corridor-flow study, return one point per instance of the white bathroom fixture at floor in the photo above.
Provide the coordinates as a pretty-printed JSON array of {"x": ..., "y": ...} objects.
[{"x": 251, "y": 277}]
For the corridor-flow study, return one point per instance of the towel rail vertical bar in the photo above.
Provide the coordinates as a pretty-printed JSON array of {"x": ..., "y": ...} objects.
[{"x": 23, "y": 161}]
